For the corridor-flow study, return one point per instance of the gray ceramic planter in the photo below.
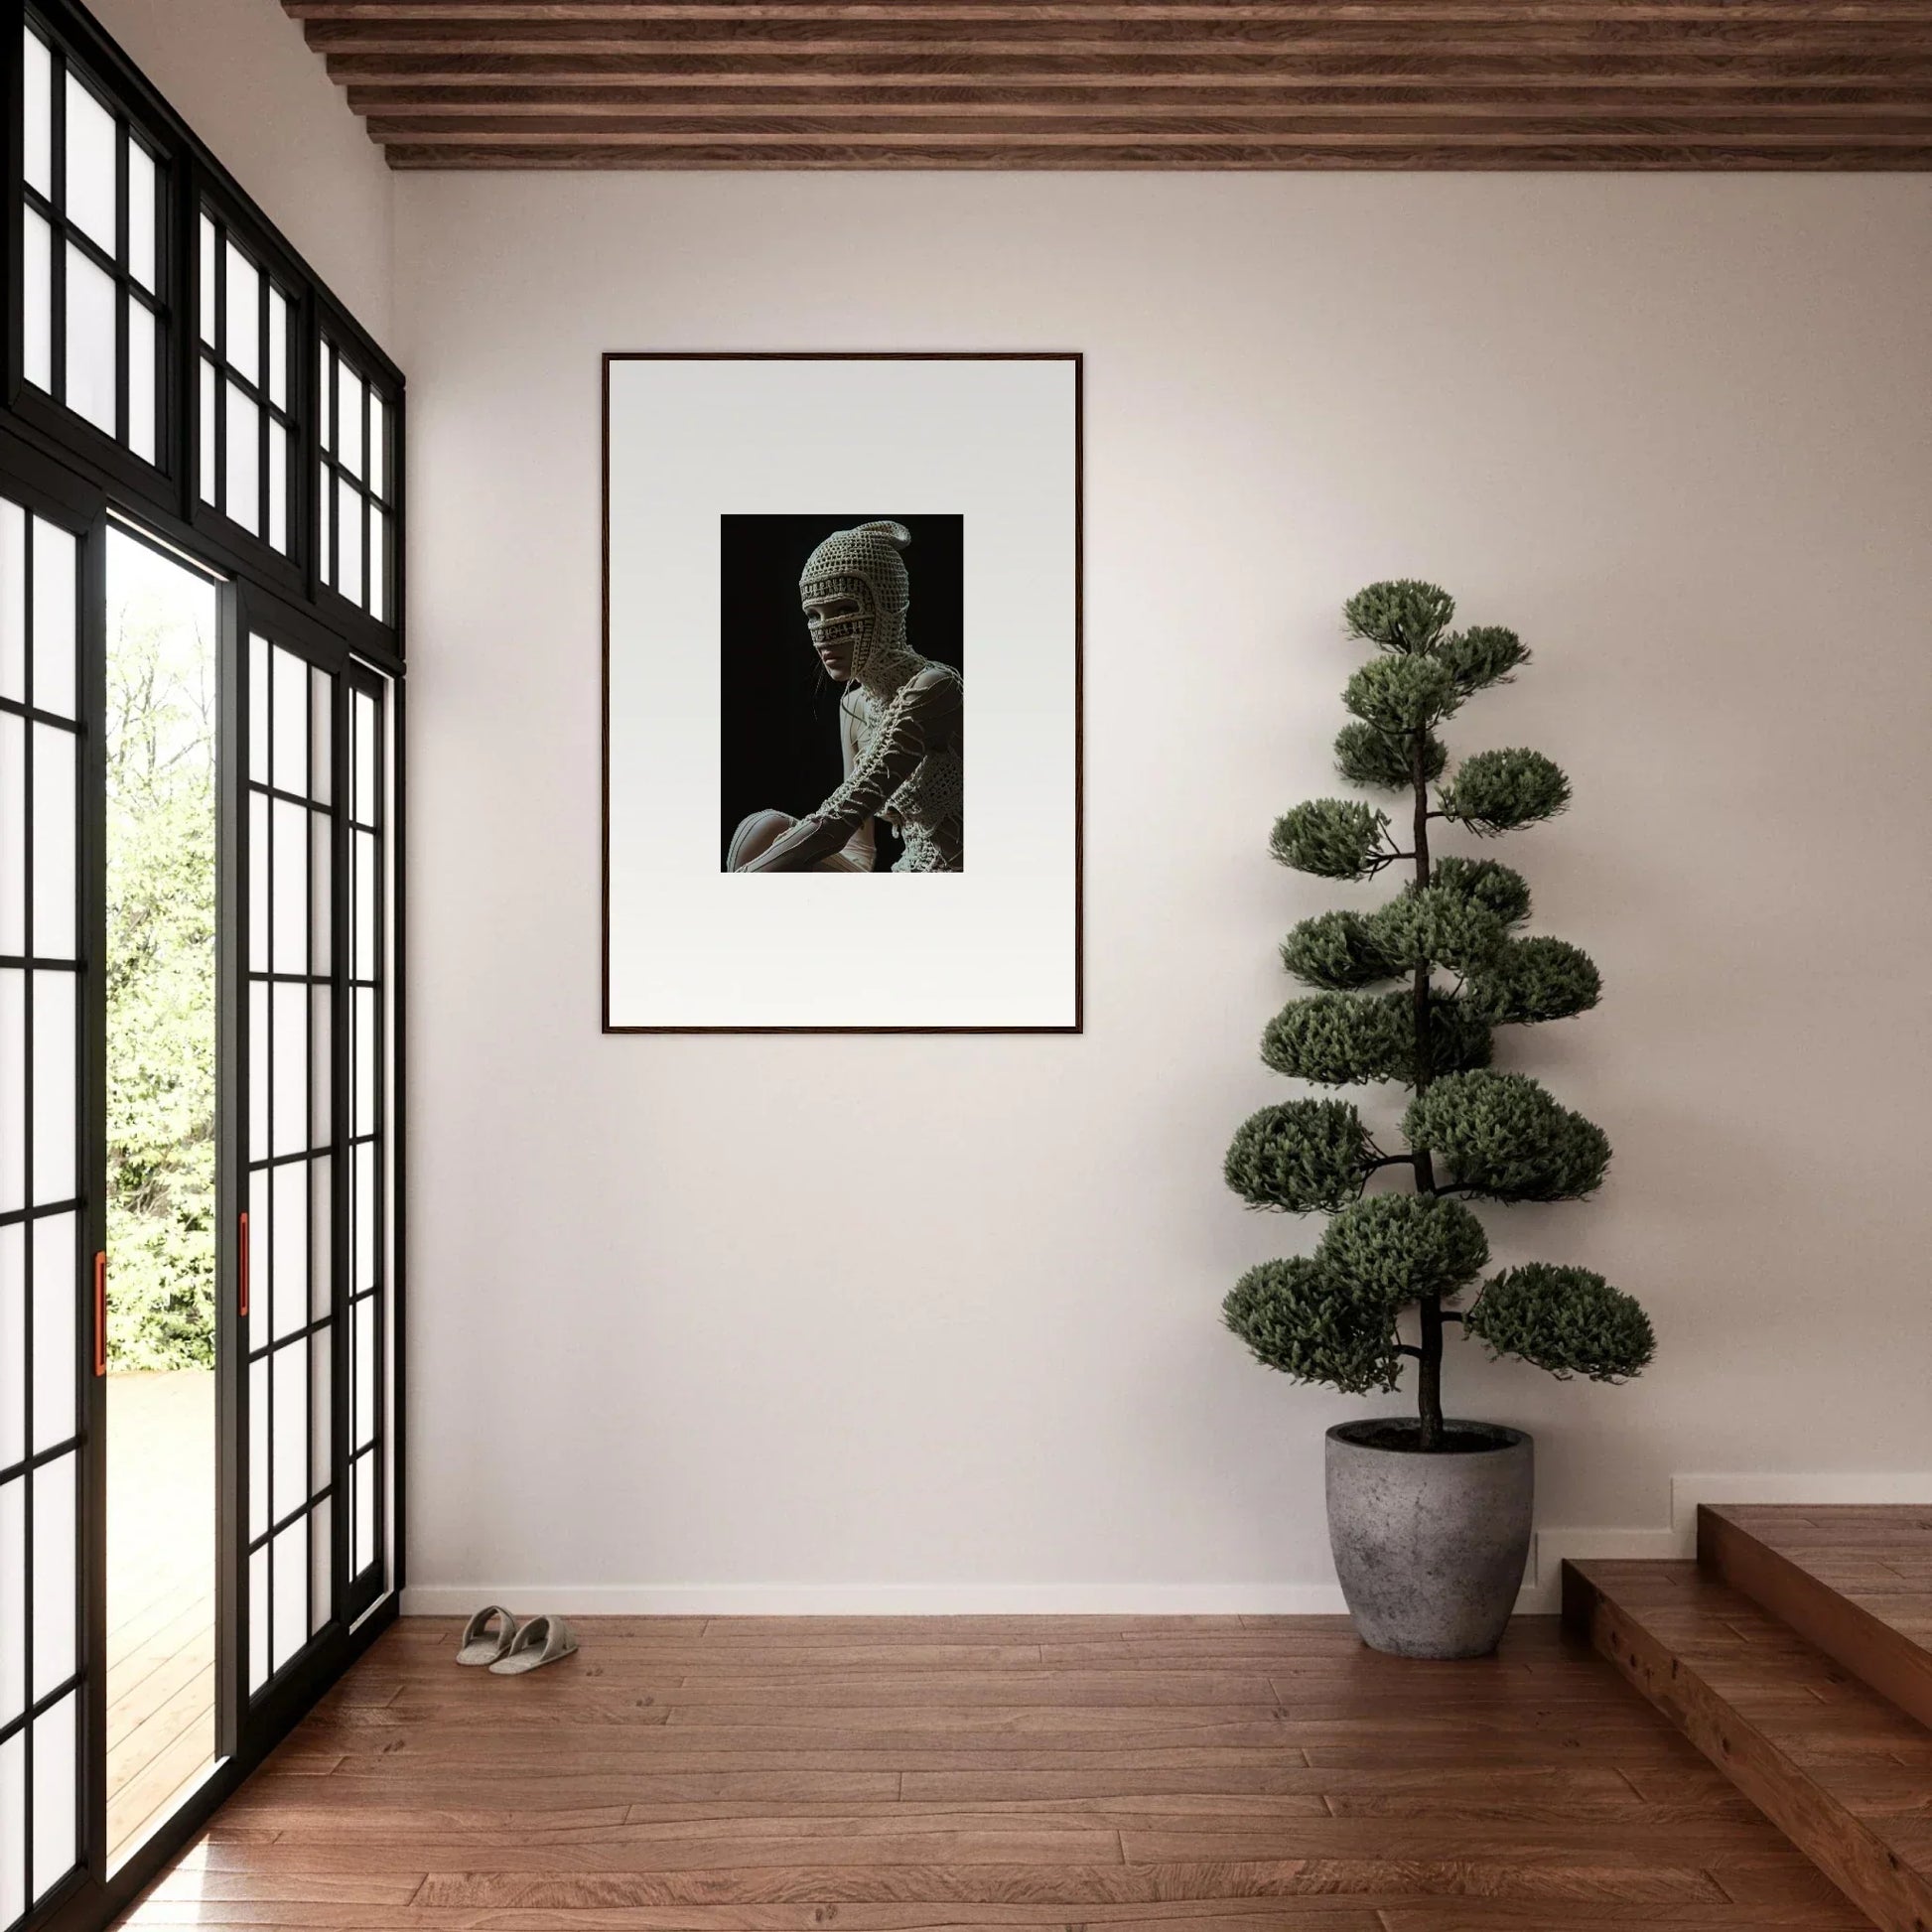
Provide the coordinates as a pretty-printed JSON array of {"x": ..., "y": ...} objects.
[{"x": 1430, "y": 1548}]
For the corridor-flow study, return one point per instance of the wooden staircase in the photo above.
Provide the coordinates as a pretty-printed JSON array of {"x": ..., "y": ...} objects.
[{"x": 1796, "y": 1653}]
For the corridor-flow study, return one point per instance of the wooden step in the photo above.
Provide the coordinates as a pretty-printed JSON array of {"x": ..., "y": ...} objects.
[
  {"x": 1844, "y": 1773},
  {"x": 1855, "y": 1582}
]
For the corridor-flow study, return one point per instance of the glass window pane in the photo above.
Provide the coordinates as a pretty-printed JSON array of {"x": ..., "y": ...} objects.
[
  {"x": 37, "y": 301},
  {"x": 140, "y": 380},
  {"x": 244, "y": 501},
  {"x": 291, "y": 1064},
  {"x": 91, "y": 342},
  {"x": 53, "y": 1050},
  {"x": 278, "y": 487},
  {"x": 291, "y": 1219},
  {"x": 56, "y": 556},
  {"x": 13, "y": 1810},
  {"x": 378, "y": 565},
  {"x": 13, "y": 1605},
  {"x": 278, "y": 347},
  {"x": 291, "y": 885},
  {"x": 258, "y": 1043},
  {"x": 290, "y": 1486},
  {"x": 365, "y": 1041},
  {"x": 207, "y": 256},
  {"x": 291, "y": 716},
  {"x": 325, "y": 423},
  {"x": 54, "y": 1594},
  {"x": 13, "y": 1370},
  {"x": 53, "y": 835},
  {"x": 54, "y": 1785},
  {"x": 56, "y": 1337},
  {"x": 363, "y": 1277},
  {"x": 258, "y": 698},
  {"x": 258, "y": 1614},
  {"x": 348, "y": 420},
  {"x": 13, "y": 1088},
  {"x": 349, "y": 540},
  {"x": 362, "y": 1417},
  {"x": 258, "y": 899},
  {"x": 13, "y": 603},
  {"x": 322, "y": 1234},
  {"x": 90, "y": 198},
  {"x": 142, "y": 196},
  {"x": 260, "y": 1287},
  {"x": 365, "y": 725},
  {"x": 322, "y": 719},
  {"x": 321, "y": 1555},
  {"x": 364, "y": 1553},
  {"x": 291, "y": 1590},
  {"x": 258, "y": 1463},
  {"x": 378, "y": 442},
  {"x": 325, "y": 521},
  {"x": 210, "y": 452},
  {"x": 364, "y": 964},
  {"x": 321, "y": 892},
  {"x": 244, "y": 340},
  {"x": 37, "y": 121},
  {"x": 13, "y": 847}
]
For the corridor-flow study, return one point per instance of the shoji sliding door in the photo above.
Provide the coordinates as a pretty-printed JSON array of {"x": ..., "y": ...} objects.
[{"x": 50, "y": 1337}]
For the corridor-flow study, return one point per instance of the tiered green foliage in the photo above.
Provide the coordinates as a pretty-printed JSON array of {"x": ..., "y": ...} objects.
[{"x": 1378, "y": 1014}]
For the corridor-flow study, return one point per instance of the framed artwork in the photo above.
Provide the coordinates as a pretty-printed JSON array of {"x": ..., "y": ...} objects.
[{"x": 841, "y": 693}]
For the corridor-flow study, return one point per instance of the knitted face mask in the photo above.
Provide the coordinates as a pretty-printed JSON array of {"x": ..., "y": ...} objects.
[{"x": 855, "y": 591}]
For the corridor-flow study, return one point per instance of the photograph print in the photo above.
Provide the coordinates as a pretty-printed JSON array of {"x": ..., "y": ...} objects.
[
  {"x": 825, "y": 576},
  {"x": 840, "y": 694}
]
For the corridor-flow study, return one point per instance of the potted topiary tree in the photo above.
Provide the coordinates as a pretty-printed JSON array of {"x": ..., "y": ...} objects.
[{"x": 1429, "y": 1518}]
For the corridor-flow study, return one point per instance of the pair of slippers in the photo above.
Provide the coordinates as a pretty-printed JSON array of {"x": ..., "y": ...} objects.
[{"x": 495, "y": 1638}]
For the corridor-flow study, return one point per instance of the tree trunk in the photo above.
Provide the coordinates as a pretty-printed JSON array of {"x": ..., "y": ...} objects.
[{"x": 1429, "y": 1376}]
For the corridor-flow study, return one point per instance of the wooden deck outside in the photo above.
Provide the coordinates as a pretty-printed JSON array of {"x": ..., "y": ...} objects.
[
  {"x": 879, "y": 1775},
  {"x": 160, "y": 1596}
]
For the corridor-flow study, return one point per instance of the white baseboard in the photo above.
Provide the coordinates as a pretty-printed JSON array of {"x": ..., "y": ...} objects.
[{"x": 1540, "y": 1597}]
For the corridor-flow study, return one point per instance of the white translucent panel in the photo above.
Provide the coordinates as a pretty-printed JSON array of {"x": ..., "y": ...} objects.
[
  {"x": 258, "y": 697},
  {"x": 322, "y": 698},
  {"x": 13, "y": 1089},
  {"x": 258, "y": 1456},
  {"x": 363, "y": 960},
  {"x": 57, "y": 1340},
  {"x": 54, "y": 1785},
  {"x": 244, "y": 348},
  {"x": 90, "y": 189},
  {"x": 259, "y": 903},
  {"x": 291, "y": 1248},
  {"x": 290, "y": 725},
  {"x": 349, "y": 540},
  {"x": 321, "y": 1082},
  {"x": 54, "y": 557},
  {"x": 363, "y": 1114},
  {"x": 13, "y": 1822},
  {"x": 321, "y": 1563},
  {"x": 55, "y": 811},
  {"x": 141, "y": 354},
  {"x": 206, "y": 256},
  {"x": 365, "y": 1270},
  {"x": 210, "y": 450},
  {"x": 378, "y": 565},
  {"x": 13, "y": 1600},
  {"x": 54, "y": 1071},
  {"x": 291, "y": 1069},
  {"x": 258, "y": 1615},
  {"x": 91, "y": 342},
  {"x": 13, "y": 601},
  {"x": 363, "y": 1362},
  {"x": 13, "y": 1357},
  {"x": 278, "y": 487},
  {"x": 142, "y": 198},
  {"x": 326, "y": 421},
  {"x": 259, "y": 1046},
  {"x": 278, "y": 347},
  {"x": 349, "y": 422},
  {"x": 378, "y": 446},
  {"x": 260, "y": 1225},
  {"x": 289, "y": 1489},
  {"x": 37, "y": 301},
  {"x": 55, "y": 1598},
  {"x": 364, "y": 1554},
  {"x": 243, "y": 472},
  {"x": 289, "y": 882},
  {"x": 13, "y": 834},
  {"x": 321, "y": 1236},
  {"x": 324, "y": 525},
  {"x": 291, "y": 1591},
  {"x": 37, "y": 142},
  {"x": 365, "y": 725}
]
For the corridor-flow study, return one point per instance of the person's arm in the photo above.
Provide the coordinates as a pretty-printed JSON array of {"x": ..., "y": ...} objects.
[{"x": 918, "y": 716}]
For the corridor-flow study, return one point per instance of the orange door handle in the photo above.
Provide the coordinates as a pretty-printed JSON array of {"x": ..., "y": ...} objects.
[
  {"x": 242, "y": 1236},
  {"x": 101, "y": 1315}
]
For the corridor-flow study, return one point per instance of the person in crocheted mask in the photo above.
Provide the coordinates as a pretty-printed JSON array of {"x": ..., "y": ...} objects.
[{"x": 900, "y": 723}]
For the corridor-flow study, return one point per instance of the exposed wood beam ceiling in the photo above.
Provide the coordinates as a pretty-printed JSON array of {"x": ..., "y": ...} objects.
[{"x": 1812, "y": 85}]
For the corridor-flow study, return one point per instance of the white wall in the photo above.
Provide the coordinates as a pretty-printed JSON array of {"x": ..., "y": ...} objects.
[
  {"x": 861, "y": 1321},
  {"x": 241, "y": 75}
]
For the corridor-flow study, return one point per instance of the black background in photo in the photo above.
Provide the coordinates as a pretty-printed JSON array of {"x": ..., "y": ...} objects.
[{"x": 778, "y": 713}]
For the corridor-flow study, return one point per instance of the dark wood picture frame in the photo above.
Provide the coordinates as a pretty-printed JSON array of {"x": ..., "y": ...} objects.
[{"x": 1078, "y": 361}]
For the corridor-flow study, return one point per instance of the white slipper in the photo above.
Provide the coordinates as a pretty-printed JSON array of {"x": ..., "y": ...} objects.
[
  {"x": 541, "y": 1641},
  {"x": 482, "y": 1644}
]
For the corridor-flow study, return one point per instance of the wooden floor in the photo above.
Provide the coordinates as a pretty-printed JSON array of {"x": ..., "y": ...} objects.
[
  {"x": 160, "y": 1596},
  {"x": 886, "y": 1775}
]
